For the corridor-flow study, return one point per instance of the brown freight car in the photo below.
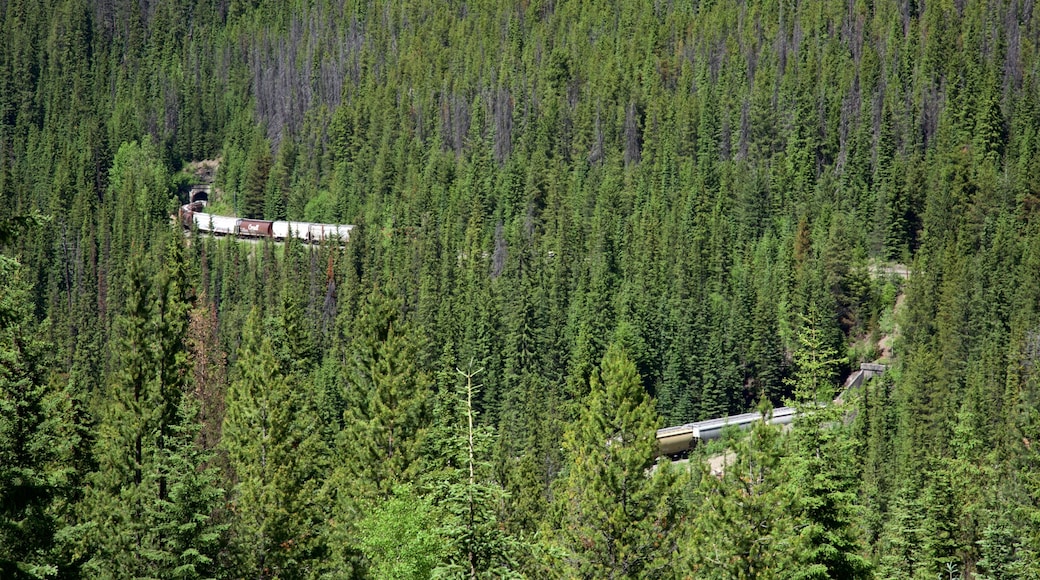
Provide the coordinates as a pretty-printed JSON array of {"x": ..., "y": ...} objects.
[
  {"x": 255, "y": 228},
  {"x": 187, "y": 210}
]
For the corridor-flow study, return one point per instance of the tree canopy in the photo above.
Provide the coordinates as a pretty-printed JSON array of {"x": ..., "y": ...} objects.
[{"x": 625, "y": 214}]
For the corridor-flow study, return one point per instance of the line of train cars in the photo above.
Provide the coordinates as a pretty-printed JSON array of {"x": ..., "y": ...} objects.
[{"x": 192, "y": 215}]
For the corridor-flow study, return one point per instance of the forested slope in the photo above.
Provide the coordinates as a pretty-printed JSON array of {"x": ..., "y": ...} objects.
[{"x": 578, "y": 222}]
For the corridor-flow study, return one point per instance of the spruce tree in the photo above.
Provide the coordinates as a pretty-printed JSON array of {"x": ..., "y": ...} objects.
[
  {"x": 150, "y": 504},
  {"x": 822, "y": 468},
  {"x": 939, "y": 546},
  {"x": 116, "y": 496},
  {"x": 32, "y": 472},
  {"x": 185, "y": 529},
  {"x": 270, "y": 445},
  {"x": 470, "y": 499},
  {"x": 388, "y": 405},
  {"x": 388, "y": 402}
]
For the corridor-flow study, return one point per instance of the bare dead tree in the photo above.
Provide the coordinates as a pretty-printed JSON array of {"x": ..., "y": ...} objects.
[
  {"x": 596, "y": 152},
  {"x": 302, "y": 68},
  {"x": 725, "y": 139},
  {"x": 501, "y": 253},
  {"x": 931, "y": 105},
  {"x": 503, "y": 118},
  {"x": 633, "y": 134},
  {"x": 209, "y": 371},
  {"x": 744, "y": 136},
  {"x": 328, "y": 312},
  {"x": 171, "y": 105},
  {"x": 470, "y": 389},
  {"x": 717, "y": 56},
  {"x": 1013, "y": 52},
  {"x": 455, "y": 121}
]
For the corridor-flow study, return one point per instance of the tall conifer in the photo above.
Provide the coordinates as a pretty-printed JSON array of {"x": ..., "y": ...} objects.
[
  {"x": 614, "y": 511},
  {"x": 270, "y": 445},
  {"x": 822, "y": 468},
  {"x": 31, "y": 468},
  {"x": 150, "y": 505}
]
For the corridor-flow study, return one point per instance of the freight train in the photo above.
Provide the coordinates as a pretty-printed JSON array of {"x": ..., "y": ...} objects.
[{"x": 191, "y": 215}]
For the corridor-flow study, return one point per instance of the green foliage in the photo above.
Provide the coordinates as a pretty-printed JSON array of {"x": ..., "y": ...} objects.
[
  {"x": 254, "y": 184},
  {"x": 149, "y": 508},
  {"x": 469, "y": 499},
  {"x": 320, "y": 208},
  {"x": 705, "y": 183},
  {"x": 816, "y": 365},
  {"x": 388, "y": 402},
  {"x": 387, "y": 413},
  {"x": 270, "y": 445},
  {"x": 399, "y": 538},
  {"x": 139, "y": 183},
  {"x": 824, "y": 473},
  {"x": 745, "y": 524},
  {"x": 614, "y": 513},
  {"x": 33, "y": 456}
]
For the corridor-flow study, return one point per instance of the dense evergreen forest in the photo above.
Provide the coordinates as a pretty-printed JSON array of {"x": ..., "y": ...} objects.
[{"x": 577, "y": 222}]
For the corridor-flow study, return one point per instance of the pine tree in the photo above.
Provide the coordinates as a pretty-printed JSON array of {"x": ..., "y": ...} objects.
[
  {"x": 254, "y": 185},
  {"x": 185, "y": 533},
  {"x": 939, "y": 545},
  {"x": 743, "y": 519},
  {"x": 115, "y": 498},
  {"x": 389, "y": 401},
  {"x": 615, "y": 514},
  {"x": 900, "y": 541},
  {"x": 276, "y": 192},
  {"x": 816, "y": 364}
]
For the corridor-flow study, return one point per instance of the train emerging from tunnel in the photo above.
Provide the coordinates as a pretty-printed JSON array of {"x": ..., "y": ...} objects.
[{"x": 192, "y": 215}]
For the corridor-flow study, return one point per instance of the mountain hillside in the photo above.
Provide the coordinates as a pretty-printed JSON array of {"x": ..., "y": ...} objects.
[{"x": 576, "y": 222}]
